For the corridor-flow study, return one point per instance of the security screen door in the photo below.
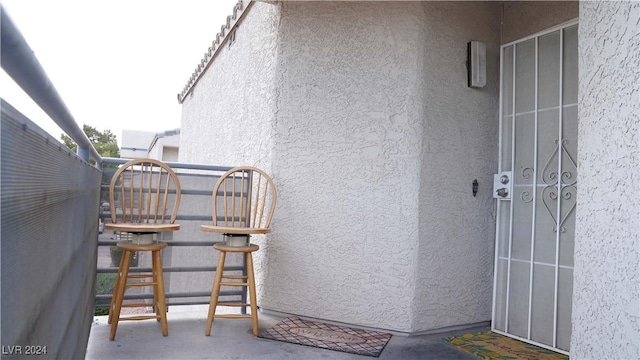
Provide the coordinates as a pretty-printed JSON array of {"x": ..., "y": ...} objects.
[{"x": 536, "y": 188}]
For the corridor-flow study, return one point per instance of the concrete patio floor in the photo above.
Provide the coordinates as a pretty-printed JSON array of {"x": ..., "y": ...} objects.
[{"x": 232, "y": 339}]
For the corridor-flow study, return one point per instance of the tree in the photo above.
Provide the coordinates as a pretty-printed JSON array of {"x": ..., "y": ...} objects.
[
  {"x": 106, "y": 145},
  {"x": 104, "y": 141}
]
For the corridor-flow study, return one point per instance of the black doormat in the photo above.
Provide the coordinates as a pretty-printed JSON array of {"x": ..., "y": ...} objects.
[{"x": 327, "y": 336}]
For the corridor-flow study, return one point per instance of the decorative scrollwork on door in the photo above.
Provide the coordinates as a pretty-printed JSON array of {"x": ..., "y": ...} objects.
[
  {"x": 560, "y": 188},
  {"x": 526, "y": 196}
]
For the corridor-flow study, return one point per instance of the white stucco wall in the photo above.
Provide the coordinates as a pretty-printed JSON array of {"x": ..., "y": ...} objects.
[
  {"x": 227, "y": 120},
  {"x": 347, "y": 154},
  {"x": 378, "y": 141},
  {"x": 523, "y": 18},
  {"x": 228, "y": 117},
  {"x": 361, "y": 113},
  {"x": 454, "y": 279},
  {"x": 352, "y": 115},
  {"x": 606, "y": 308}
]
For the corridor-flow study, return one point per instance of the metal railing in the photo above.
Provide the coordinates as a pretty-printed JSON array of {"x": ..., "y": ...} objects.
[
  {"x": 49, "y": 215},
  {"x": 189, "y": 260},
  {"x": 20, "y": 63}
]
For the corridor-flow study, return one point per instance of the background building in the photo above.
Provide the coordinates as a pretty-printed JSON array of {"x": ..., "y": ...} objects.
[{"x": 160, "y": 145}]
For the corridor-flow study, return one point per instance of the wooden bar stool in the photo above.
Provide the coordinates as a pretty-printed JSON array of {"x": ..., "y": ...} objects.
[
  {"x": 147, "y": 192},
  {"x": 245, "y": 198}
]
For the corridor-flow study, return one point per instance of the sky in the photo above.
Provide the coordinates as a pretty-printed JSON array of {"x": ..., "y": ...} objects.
[{"x": 117, "y": 64}]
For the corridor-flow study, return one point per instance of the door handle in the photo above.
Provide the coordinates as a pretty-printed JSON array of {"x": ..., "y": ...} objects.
[{"x": 502, "y": 185}]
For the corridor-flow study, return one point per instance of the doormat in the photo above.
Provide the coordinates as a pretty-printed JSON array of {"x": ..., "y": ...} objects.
[
  {"x": 490, "y": 345},
  {"x": 327, "y": 336}
]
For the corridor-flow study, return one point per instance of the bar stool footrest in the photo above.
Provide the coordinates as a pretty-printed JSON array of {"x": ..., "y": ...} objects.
[
  {"x": 137, "y": 305},
  {"x": 233, "y": 316},
  {"x": 139, "y": 276},
  {"x": 241, "y": 277},
  {"x": 142, "y": 284},
  {"x": 140, "y": 317},
  {"x": 234, "y": 304}
]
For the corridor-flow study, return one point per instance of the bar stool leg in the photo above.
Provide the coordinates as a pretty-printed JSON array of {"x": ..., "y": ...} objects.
[
  {"x": 119, "y": 292},
  {"x": 154, "y": 278},
  {"x": 252, "y": 294},
  {"x": 161, "y": 306},
  {"x": 115, "y": 292},
  {"x": 215, "y": 291}
]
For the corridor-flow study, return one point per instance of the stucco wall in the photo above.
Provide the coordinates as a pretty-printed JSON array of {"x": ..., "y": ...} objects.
[
  {"x": 378, "y": 141},
  {"x": 228, "y": 116},
  {"x": 227, "y": 120},
  {"x": 523, "y": 18},
  {"x": 362, "y": 115},
  {"x": 454, "y": 279},
  {"x": 347, "y": 156},
  {"x": 606, "y": 308}
]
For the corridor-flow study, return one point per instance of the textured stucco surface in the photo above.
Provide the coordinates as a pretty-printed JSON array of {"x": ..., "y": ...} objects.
[
  {"x": 228, "y": 117},
  {"x": 460, "y": 143},
  {"x": 361, "y": 113},
  {"x": 347, "y": 156},
  {"x": 358, "y": 84},
  {"x": 606, "y": 308},
  {"x": 523, "y": 18}
]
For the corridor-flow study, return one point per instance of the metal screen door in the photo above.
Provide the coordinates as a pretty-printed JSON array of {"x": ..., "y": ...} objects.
[{"x": 536, "y": 188}]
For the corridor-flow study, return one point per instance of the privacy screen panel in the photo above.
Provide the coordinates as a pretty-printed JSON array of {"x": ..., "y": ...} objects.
[{"x": 49, "y": 216}]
